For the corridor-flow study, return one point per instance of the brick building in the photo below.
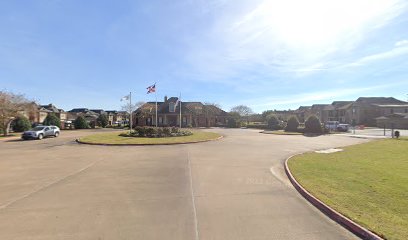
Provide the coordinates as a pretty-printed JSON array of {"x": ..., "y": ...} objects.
[{"x": 194, "y": 114}]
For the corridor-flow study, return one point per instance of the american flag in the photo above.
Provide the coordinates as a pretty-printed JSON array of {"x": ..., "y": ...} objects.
[{"x": 151, "y": 89}]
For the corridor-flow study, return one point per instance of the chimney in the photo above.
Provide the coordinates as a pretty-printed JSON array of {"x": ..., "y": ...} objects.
[{"x": 165, "y": 98}]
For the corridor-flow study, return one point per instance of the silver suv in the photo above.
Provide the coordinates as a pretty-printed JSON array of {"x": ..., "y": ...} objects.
[{"x": 40, "y": 132}]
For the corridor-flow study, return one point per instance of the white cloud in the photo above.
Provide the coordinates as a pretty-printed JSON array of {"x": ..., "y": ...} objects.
[
  {"x": 401, "y": 43},
  {"x": 286, "y": 36},
  {"x": 395, "y": 52}
]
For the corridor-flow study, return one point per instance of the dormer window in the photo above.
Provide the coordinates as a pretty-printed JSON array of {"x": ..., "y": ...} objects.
[{"x": 172, "y": 107}]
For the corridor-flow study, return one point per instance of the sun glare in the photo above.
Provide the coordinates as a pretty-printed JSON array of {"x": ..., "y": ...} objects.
[{"x": 316, "y": 23}]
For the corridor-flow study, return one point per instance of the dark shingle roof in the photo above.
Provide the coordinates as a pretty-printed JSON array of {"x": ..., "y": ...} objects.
[
  {"x": 186, "y": 107},
  {"x": 379, "y": 100},
  {"x": 78, "y": 110}
]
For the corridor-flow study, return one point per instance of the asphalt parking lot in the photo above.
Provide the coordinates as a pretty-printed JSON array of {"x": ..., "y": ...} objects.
[{"x": 234, "y": 188}]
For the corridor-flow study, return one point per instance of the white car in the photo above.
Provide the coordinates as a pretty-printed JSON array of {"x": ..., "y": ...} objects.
[
  {"x": 40, "y": 132},
  {"x": 343, "y": 127}
]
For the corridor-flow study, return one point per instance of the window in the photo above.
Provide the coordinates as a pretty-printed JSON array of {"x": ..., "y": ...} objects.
[
  {"x": 161, "y": 120},
  {"x": 172, "y": 107},
  {"x": 406, "y": 110},
  {"x": 391, "y": 110},
  {"x": 184, "y": 120}
]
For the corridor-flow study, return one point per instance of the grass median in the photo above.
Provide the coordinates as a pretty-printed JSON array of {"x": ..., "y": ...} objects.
[
  {"x": 281, "y": 132},
  {"x": 115, "y": 139},
  {"x": 367, "y": 183}
]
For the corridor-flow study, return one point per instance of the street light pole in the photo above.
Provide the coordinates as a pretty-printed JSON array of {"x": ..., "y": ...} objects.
[{"x": 131, "y": 111}]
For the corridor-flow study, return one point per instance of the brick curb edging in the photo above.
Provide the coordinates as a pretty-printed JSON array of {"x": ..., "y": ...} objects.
[
  {"x": 143, "y": 144},
  {"x": 355, "y": 228}
]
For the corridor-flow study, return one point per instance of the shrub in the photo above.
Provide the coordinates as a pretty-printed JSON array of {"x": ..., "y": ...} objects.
[
  {"x": 300, "y": 130},
  {"x": 293, "y": 124},
  {"x": 52, "y": 119},
  {"x": 150, "y": 131},
  {"x": 233, "y": 123},
  {"x": 273, "y": 122},
  {"x": 156, "y": 132},
  {"x": 257, "y": 126},
  {"x": 102, "y": 120},
  {"x": 174, "y": 130},
  {"x": 166, "y": 131},
  {"x": 21, "y": 124},
  {"x": 81, "y": 123},
  {"x": 313, "y": 125}
]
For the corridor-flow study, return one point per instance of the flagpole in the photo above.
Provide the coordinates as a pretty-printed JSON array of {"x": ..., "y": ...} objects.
[
  {"x": 180, "y": 108},
  {"x": 156, "y": 106},
  {"x": 131, "y": 112}
]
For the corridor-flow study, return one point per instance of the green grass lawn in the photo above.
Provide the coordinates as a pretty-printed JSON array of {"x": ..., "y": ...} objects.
[
  {"x": 114, "y": 138},
  {"x": 367, "y": 183},
  {"x": 281, "y": 132}
]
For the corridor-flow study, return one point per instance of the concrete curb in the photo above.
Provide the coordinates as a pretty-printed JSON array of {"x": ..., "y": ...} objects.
[
  {"x": 355, "y": 228},
  {"x": 159, "y": 144}
]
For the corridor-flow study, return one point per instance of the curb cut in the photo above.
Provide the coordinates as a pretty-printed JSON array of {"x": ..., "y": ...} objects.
[
  {"x": 347, "y": 223},
  {"x": 143, "y": 144}
]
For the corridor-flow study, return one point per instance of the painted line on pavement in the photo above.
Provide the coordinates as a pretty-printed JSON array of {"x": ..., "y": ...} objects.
[{"x": 197, "y": 236}]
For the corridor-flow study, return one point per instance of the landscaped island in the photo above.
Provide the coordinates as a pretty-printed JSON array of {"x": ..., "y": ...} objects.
[
  {"x": 150, "y": 136},
  {"x": 368, "y": 183}
]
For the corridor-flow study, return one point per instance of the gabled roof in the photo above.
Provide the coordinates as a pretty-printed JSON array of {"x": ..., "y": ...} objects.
[
  {"x": 319, "y": 106},
  {"x": 44, "y": 110},
  {"x": 98, "y": 111},
  {"x": 337, "y": 105},
  {"x": 303, "y": 108},
  {"x": 51, "y": 108},
  {"x": 379, "y": 100},
  {"x": 78, "y": 110},
  {"x": 347, "y": 106},
  {"x": 186, "y": 107}
]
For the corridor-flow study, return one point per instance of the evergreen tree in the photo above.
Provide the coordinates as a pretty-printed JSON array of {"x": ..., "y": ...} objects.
[
  {"x": 53, "y": 120},
  {"x": 81, "y": 123},
  {"x": 21, "y": 124}
]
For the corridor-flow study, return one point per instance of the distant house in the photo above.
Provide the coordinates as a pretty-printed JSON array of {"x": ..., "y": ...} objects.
[
  {"x": 334, "y": 111},
  {"x": 365, "y": 110},
  {"x": 61, "y": 114},
  {"x": 117, "y": 117},
  {"x": 90, "y": 116},
  {"x": 98, "y": 111},
  {"x": 195, "y": 114},
  {"x": 319, "y": 111},
  {"x": 303, "y": 112}
]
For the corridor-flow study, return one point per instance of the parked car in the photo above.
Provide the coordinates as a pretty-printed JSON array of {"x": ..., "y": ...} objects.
[
  {"x": 343, "y": 127},
  {"x": 39, "y": 132},
  {"x": 332, "y": 125}
]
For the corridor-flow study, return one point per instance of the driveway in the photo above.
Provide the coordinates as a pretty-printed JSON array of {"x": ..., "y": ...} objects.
[{"x": 234, "y": 189}]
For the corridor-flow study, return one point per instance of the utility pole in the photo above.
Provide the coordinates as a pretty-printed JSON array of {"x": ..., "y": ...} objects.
[{"x": 131, "y": 110}]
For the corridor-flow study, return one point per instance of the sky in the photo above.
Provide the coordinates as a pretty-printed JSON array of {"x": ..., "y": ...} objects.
[{"x": 263, "y": 54}]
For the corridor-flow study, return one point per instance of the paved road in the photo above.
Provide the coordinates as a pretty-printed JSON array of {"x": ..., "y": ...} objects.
[{"x": 234, "y": 188}]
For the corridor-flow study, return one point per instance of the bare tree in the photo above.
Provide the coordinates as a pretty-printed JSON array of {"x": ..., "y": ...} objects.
[
  {"x": 11, "y": 106},
  {"x": 211, "y": 109},
  {"x": 243, "y": 111},
  {"x": 129, "y": 108}
]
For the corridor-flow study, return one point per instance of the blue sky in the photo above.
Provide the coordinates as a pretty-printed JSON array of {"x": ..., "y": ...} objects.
[{"x": 264, "y": 54}]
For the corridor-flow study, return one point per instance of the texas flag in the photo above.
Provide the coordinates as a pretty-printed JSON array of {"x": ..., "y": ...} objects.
[{"x": 151, "y": 89}]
